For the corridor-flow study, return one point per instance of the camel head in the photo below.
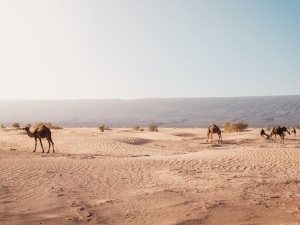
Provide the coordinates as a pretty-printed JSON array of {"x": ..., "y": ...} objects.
[{"x": 262, "y": 133}]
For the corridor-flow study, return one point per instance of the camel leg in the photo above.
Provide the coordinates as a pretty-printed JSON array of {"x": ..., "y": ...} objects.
[
  {"x": 41, "y": 144},
  {"x": 207, "y": 136},
  {"x": 49, "y": 145},
  {"x": 52, "y": 146},
  {"x": 280, "y": 138},
  {"x": 49, "y": 139},
  {"x": 35, "y": 145},
  {"x": 50, "y": 142}
]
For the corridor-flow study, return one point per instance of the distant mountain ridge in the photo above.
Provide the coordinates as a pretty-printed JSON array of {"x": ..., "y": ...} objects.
[{"x": 165, "y": 112}]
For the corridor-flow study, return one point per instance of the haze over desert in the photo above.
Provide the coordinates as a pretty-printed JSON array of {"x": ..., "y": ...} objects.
[{"x": 173, "y": 176}]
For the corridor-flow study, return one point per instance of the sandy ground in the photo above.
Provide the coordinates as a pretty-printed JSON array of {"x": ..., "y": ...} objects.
[{"x": 168, "y": 177}]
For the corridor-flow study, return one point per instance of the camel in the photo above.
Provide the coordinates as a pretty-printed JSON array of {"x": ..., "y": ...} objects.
[
  {"x": 214, "y": 129},
  {"x": 40, "y": 133},
  {"x": 263, "y": 133},
  {"x": 280, "y": 131}
]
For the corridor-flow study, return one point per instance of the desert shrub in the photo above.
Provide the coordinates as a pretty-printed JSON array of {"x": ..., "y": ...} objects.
[
  {"x": 2, "y": 126},
  {"x": 226, "y": 126},
  {"x": 268, "y": 128},
  {"x": 16, "y": 125},
  {"x": 153, "y": 127},
  {"x": 238, "y": 126},
  {"x": 102, "y": 128},
  {"x": 56, "y": 127},
  {"x": 136, "y": 128},
  {"x": 46, "y": 124}
]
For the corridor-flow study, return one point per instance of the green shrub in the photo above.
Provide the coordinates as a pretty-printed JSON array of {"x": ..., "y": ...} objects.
[
  {"x": 153, "y": 127},
  {"x": 238, "y": 126}
]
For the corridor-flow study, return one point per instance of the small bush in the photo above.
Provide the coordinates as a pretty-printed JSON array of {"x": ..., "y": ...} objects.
[
  {"x": 102, "y": 128},
  {"x": 2, "y": 126},
  {"x": 56, "y": 127},
  {"x": 136, "y": 128},
  {"x": 16, "y": 125},
  {"x": 153, "y": 127},
  {"x": 238, "y": 126},
  {"x": 47, "y": 124},
  {"x": 268, "y": 128},
  {"x": 226, "y": 125}
]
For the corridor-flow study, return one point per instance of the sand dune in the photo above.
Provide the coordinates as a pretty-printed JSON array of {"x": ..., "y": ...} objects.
[{"x": 168, "y": 177}]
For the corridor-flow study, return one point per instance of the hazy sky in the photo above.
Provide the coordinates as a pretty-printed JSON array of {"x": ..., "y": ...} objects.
[{"x": 128, "y": 49}]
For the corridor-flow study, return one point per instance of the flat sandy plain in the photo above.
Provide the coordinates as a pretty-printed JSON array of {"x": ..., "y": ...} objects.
[{"x": 167, "y": 177}]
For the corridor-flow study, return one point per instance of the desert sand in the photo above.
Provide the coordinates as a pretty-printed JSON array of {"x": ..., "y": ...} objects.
[{"x": 172, "y": 176}]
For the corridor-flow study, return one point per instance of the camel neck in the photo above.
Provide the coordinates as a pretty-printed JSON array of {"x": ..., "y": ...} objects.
[{"x": 30, "y": 134}]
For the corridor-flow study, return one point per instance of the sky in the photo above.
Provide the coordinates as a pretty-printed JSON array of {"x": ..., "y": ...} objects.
[{"x": 132, "y": 49}]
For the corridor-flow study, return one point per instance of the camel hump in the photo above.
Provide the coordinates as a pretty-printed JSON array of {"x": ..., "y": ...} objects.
[
  {"x": 44, "y": 127},
  {"x": 215, "y": 126}
]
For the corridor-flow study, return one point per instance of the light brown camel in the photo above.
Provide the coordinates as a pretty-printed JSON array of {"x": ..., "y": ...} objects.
[
  {"x": 214, "y": 129},
  {"x": 40, "y": 133},
  {"x": 280, "y": 131}
]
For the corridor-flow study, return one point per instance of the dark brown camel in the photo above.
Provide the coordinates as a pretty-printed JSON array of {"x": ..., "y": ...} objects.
[
  {"x": 214, "y": 129},
  {"x": 263, "y": 133},
  {"x": 40, "y": 133},
  {"x": 280, "y": 131}
]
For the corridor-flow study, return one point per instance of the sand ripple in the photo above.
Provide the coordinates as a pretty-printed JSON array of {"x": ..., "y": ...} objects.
[{"x": 119, "y": 178}]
